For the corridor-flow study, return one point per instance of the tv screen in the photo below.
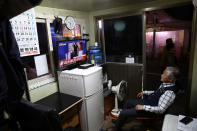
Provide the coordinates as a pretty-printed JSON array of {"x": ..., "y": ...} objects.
[{"x": 69, "y": 53}]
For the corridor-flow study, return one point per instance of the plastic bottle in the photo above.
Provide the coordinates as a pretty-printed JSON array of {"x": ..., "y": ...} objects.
[{"x": 95, "y": 54}]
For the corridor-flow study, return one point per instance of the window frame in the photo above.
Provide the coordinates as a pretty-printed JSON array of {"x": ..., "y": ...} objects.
[
  {"x": 50, "y": 77},
  {"x": 102, "y": 18}
]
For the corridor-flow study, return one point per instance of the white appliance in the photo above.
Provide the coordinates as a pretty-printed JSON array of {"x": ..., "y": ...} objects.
[{"x": 85, "y": 83}]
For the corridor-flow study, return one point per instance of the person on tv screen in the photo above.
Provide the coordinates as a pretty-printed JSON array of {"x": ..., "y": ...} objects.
[
  {"x": 80, "y": 49},
  {"x": 75, "y": 46}
]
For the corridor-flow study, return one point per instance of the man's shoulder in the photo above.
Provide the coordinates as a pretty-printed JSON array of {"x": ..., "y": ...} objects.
[{"x": 169, "y": 93}]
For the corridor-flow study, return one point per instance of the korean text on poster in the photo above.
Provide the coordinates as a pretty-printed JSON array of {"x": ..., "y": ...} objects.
[{"x": 25, "y": 31}]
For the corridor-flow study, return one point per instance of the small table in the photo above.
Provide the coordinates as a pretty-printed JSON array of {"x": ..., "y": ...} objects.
[
  {"x": 62, "y": 103},
  {"x": 170, "y": 123}
]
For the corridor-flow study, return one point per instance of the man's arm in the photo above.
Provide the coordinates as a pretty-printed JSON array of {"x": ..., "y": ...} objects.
[
  {"x": 148, "y": 92},
  {"x": 140, "y": 94},
  {"x": 164, "y": 102}
]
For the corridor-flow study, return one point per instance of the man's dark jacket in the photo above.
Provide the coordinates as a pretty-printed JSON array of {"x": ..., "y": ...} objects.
[{"x": 12, "y": 76}]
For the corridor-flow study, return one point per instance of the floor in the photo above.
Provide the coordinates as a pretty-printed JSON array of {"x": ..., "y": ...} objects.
[{"x": 133, "y": 125}]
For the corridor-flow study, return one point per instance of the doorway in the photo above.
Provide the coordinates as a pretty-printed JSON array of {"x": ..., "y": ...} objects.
[{"x": 175, "y": 24}]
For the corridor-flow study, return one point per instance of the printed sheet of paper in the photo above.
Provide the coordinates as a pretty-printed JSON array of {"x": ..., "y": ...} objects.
[
  {"x": 129, "y": 60},
  {"x": 192, "y": 126},
  {"x": 25, "y": 31},
  {"x": 41, "y": 65}
]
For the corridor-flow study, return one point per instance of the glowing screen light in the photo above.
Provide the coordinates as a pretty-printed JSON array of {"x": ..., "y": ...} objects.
[
  {"x": 119, "y": 25},
  {"x": 100, "y": 24}
]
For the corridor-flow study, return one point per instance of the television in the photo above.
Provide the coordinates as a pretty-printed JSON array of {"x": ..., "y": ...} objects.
[{"x": 70, "y": 54}]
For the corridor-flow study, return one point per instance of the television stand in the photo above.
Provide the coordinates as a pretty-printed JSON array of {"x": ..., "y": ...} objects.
[{"x": 68, "y": 67}]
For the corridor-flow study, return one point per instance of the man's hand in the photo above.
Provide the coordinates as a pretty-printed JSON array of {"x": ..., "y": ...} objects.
[
  {"x": 140, "y": 94},
  {"x": 139, "y": 107}
]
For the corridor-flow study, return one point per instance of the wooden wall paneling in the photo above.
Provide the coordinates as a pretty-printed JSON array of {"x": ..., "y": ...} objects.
[
  {"x": 116, "y": 72},
  {"x": 129, "y": 72},
  {"x": 134, "y": 76}
]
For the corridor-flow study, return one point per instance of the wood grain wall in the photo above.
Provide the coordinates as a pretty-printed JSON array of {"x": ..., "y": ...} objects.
[{"x": 132, "y": 73}]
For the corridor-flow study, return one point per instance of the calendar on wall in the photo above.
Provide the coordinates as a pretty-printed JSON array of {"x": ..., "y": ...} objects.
[{"x": 25, "y": 32}]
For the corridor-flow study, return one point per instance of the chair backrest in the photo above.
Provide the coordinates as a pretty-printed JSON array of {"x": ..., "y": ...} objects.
[{"x": 34, "y": 117}]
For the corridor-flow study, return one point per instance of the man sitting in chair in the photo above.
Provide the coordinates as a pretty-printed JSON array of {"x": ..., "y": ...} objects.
[{"x": 156, "y": 102}]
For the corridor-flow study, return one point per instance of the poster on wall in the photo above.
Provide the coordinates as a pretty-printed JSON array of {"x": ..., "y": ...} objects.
[{"x": 25, "y": 32}]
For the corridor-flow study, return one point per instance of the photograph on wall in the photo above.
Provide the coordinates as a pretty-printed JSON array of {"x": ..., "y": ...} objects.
[
  {"x": 67, "y": 33},
  {"x": 77, "y": 31},
  {"x": 25, "y": 31}
]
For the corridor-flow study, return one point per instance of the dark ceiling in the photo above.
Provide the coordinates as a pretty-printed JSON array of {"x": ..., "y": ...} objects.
[{"x": 170, "y": 15}]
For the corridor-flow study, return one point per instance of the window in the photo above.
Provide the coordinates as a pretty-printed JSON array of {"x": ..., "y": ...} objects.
[
  {"x": 35, "y": 79},
  {"x": 123, "y": 38}
]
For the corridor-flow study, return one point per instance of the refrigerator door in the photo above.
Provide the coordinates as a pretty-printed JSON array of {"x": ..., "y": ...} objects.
[
  {"x": 83, "y": 117},
  {"x": 95, "y": 111}
]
